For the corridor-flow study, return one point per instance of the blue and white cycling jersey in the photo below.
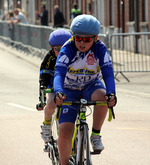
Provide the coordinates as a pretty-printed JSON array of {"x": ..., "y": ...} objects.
[{"x": 75, "y": 69}]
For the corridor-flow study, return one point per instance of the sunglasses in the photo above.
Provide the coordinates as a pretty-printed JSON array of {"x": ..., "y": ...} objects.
[
  {"x": 57, "y": 48},
  {"x": 84, "y": 39}
]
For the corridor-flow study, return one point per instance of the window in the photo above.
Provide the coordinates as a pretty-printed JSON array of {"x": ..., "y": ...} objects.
[
  {"x": 143, "y": 11},
  {"x": 131, "y": 10},
  {"x": 111, "y": 12}
]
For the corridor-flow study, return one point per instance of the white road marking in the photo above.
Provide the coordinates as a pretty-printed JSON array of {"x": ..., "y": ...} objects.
[{"x": 21, "y": 106}]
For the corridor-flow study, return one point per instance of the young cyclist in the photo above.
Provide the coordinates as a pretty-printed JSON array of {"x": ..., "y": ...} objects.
[
  {"x": 77, "y": 71},
  {"x": 56, "y": 41}
]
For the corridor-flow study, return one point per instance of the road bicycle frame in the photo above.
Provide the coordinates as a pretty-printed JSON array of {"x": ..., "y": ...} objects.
[
  {"x": 80, "y": 153},
  {"x": 51, "y": 147},
  {"x": 83, "y": 151}
]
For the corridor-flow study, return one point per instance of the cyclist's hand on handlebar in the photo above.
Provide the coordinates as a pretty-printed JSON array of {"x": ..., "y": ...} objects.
[
  {"x": 59, "y": 97},
  {"x": 111, "y": 99},
  {"x": 42, "y": 87}
]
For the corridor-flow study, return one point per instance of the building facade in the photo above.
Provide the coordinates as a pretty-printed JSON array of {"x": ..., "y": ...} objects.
[{"x": 115, "y": 16}]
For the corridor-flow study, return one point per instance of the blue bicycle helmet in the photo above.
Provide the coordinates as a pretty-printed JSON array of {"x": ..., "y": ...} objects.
[
  {"x": 59, "y": 37},
  {"x": 86, "y": 25}
]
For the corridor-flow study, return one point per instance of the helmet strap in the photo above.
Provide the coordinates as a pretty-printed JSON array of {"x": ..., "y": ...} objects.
[{"x": 96, "y": 38}]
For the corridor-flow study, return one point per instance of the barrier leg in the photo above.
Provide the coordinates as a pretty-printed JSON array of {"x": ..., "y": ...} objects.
[{"x": 122, "y": 75}]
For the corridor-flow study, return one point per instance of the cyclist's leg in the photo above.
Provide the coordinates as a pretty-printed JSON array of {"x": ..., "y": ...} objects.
[
  {"x": 48, "y": 112},
  {"x": 49, "y": 108},
  {"x": 66, "y": 126},
  {"x": 64, "y": 141},
  {"x": 96, "y": 92},
  {"x": 100, "y": 112},
  {"x": 99, "y": 115}
]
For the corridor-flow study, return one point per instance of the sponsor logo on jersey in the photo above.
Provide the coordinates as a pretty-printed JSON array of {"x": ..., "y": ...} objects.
[
  {"x": 84, "y": 71},
  {"x": 90, "y": 59},
  {"x": 65, "y": 110}
]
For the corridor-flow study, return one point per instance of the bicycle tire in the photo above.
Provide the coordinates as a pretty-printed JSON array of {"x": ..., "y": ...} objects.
[
  {"x": 80, "y": 146},
  {"x": 54, "y": 156},
  {"x": 88, "y": 160},
  {"x": 81, "y": 160},
  {"x": 54, "y": 153},
  {"x": 83, "y": 154},
  {"x": 54, "y": 128}
]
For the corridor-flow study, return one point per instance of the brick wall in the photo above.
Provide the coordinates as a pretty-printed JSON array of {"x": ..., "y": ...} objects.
[
  {"x": 121, "y": 11},
  {"x": 126, "y": 15}
]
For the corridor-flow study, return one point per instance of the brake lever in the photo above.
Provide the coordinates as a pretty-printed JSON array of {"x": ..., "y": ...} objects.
[{"x": 112, "y": 109}]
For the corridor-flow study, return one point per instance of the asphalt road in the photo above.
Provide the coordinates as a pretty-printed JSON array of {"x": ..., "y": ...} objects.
[{"x": 126, "y": 139}]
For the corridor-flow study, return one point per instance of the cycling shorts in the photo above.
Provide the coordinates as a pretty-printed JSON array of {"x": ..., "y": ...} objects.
[{"x": 69, "y": 112}]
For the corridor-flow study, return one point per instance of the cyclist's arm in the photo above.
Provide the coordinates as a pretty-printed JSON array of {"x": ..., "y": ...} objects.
[
  {"x": 61, "y": 66},
  {"x": 16, "y": 21},
  {"x": 108, "y": 77},
  {"x": 45, "y": 77},
  {"x": 59, "y": 78},
  {"x": 106, "y": 69},
  {"x": 47, "y": 69}
]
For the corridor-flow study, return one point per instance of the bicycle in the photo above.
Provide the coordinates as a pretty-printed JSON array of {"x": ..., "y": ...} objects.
[
  {"x": 51, "y": 147},
  {"x": 80, "y": 152}
]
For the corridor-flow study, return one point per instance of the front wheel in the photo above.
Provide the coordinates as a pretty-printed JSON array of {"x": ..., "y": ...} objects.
[
  {"x": 53, "y": 152},
  {"x": 83, "y": 151},
  {"x": 87, "y": 155}
]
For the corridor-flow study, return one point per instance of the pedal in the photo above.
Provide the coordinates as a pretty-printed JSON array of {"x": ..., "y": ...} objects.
[
  {"x": 46, "y": 148},
  {"x": 96, "y": 152}
]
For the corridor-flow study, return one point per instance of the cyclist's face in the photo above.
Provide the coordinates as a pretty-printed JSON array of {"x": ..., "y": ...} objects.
[
  {"x": 56, "y": 50},
  {"x": 84, "y": 42}
]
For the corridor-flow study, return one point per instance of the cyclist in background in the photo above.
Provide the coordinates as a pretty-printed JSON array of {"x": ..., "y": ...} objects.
[
  {"x": 56, "y": 41},
  {"x": 79, "y": 65}
]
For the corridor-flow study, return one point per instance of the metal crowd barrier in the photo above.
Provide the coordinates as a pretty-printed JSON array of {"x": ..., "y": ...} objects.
[
  {"x": 130, "y": 52},
  {"x": 26, "y": 49},
  {"x": 33, "y": 35}
]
